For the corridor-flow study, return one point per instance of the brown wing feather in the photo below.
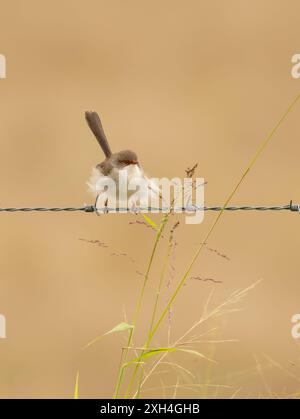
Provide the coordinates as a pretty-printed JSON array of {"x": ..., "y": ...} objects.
[{"x": 104, "y": 167}]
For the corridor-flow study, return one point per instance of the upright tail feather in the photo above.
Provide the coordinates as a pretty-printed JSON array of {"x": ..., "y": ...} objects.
[{"x": 95, "y": 125}]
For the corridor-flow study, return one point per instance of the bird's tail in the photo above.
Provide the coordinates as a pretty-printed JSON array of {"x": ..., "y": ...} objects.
[{"x": 93, "y": 120}]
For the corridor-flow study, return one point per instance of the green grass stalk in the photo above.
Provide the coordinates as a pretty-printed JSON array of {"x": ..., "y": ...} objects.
[
  {"x": 124, "y": 354},
  {"x": 251, "y": 163}
]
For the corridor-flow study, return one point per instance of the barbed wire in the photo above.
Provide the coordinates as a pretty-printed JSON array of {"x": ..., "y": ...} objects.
[{"x": 191, "y": 208}]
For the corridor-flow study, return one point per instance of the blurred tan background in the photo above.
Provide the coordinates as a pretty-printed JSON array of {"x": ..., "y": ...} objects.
[{"x": 178, "y": 82}]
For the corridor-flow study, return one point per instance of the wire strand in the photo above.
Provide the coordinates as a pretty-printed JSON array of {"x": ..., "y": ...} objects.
[{"x": 192, "y": 208}]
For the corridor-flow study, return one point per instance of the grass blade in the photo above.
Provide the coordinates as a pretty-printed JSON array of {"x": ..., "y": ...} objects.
[
  {"x": 76, "y": 388},
  {"x": 150, "y": 222},
  {"x": 121, "y": 327}
]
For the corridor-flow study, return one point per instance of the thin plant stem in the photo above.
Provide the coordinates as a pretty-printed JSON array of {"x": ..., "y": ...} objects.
[
  {"x": 253, "y": 160},
  {"x": 161, "y": 279},
  {"x": 207, "y": 314},
  {"x": 251, "y": 163},
  {"x": 124, "y": 354}
]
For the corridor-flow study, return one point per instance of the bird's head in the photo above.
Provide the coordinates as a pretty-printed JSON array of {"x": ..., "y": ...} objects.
[{"x": 125, "y": 158}]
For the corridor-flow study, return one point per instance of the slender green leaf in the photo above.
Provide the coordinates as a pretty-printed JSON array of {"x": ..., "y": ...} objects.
[
  {"x": 76, "y": 388},
  {"x": 151, "y": 352},
  {"x": 150, "y": 222},
  {"x": 193, "y": 352},
  {"x": 157, "y": 351},
  {"x": 121, "y": 327}
]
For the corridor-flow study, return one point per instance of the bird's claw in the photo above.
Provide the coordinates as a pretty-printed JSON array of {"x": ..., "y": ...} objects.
[{"x": 134, "y": 209}]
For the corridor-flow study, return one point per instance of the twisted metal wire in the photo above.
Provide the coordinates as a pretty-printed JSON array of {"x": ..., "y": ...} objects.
[{"x": 191, "y": 208}]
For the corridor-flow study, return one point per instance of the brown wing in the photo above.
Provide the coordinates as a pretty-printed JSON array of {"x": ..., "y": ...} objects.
[{"x": 104, "y": 167}]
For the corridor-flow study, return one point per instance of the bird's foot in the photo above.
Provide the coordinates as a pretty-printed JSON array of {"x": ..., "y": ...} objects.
[{"x": 133, "y": 208}]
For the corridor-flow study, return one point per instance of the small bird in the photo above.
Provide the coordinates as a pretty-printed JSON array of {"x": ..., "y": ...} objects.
[{"x": 124, "y": 162}]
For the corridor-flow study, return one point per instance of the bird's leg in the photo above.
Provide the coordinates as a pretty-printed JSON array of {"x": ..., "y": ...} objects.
[
  {"x": 105, "y": 209},
  {"x": 95, "y": 205},
  {"x": 133, "y": 207}
]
